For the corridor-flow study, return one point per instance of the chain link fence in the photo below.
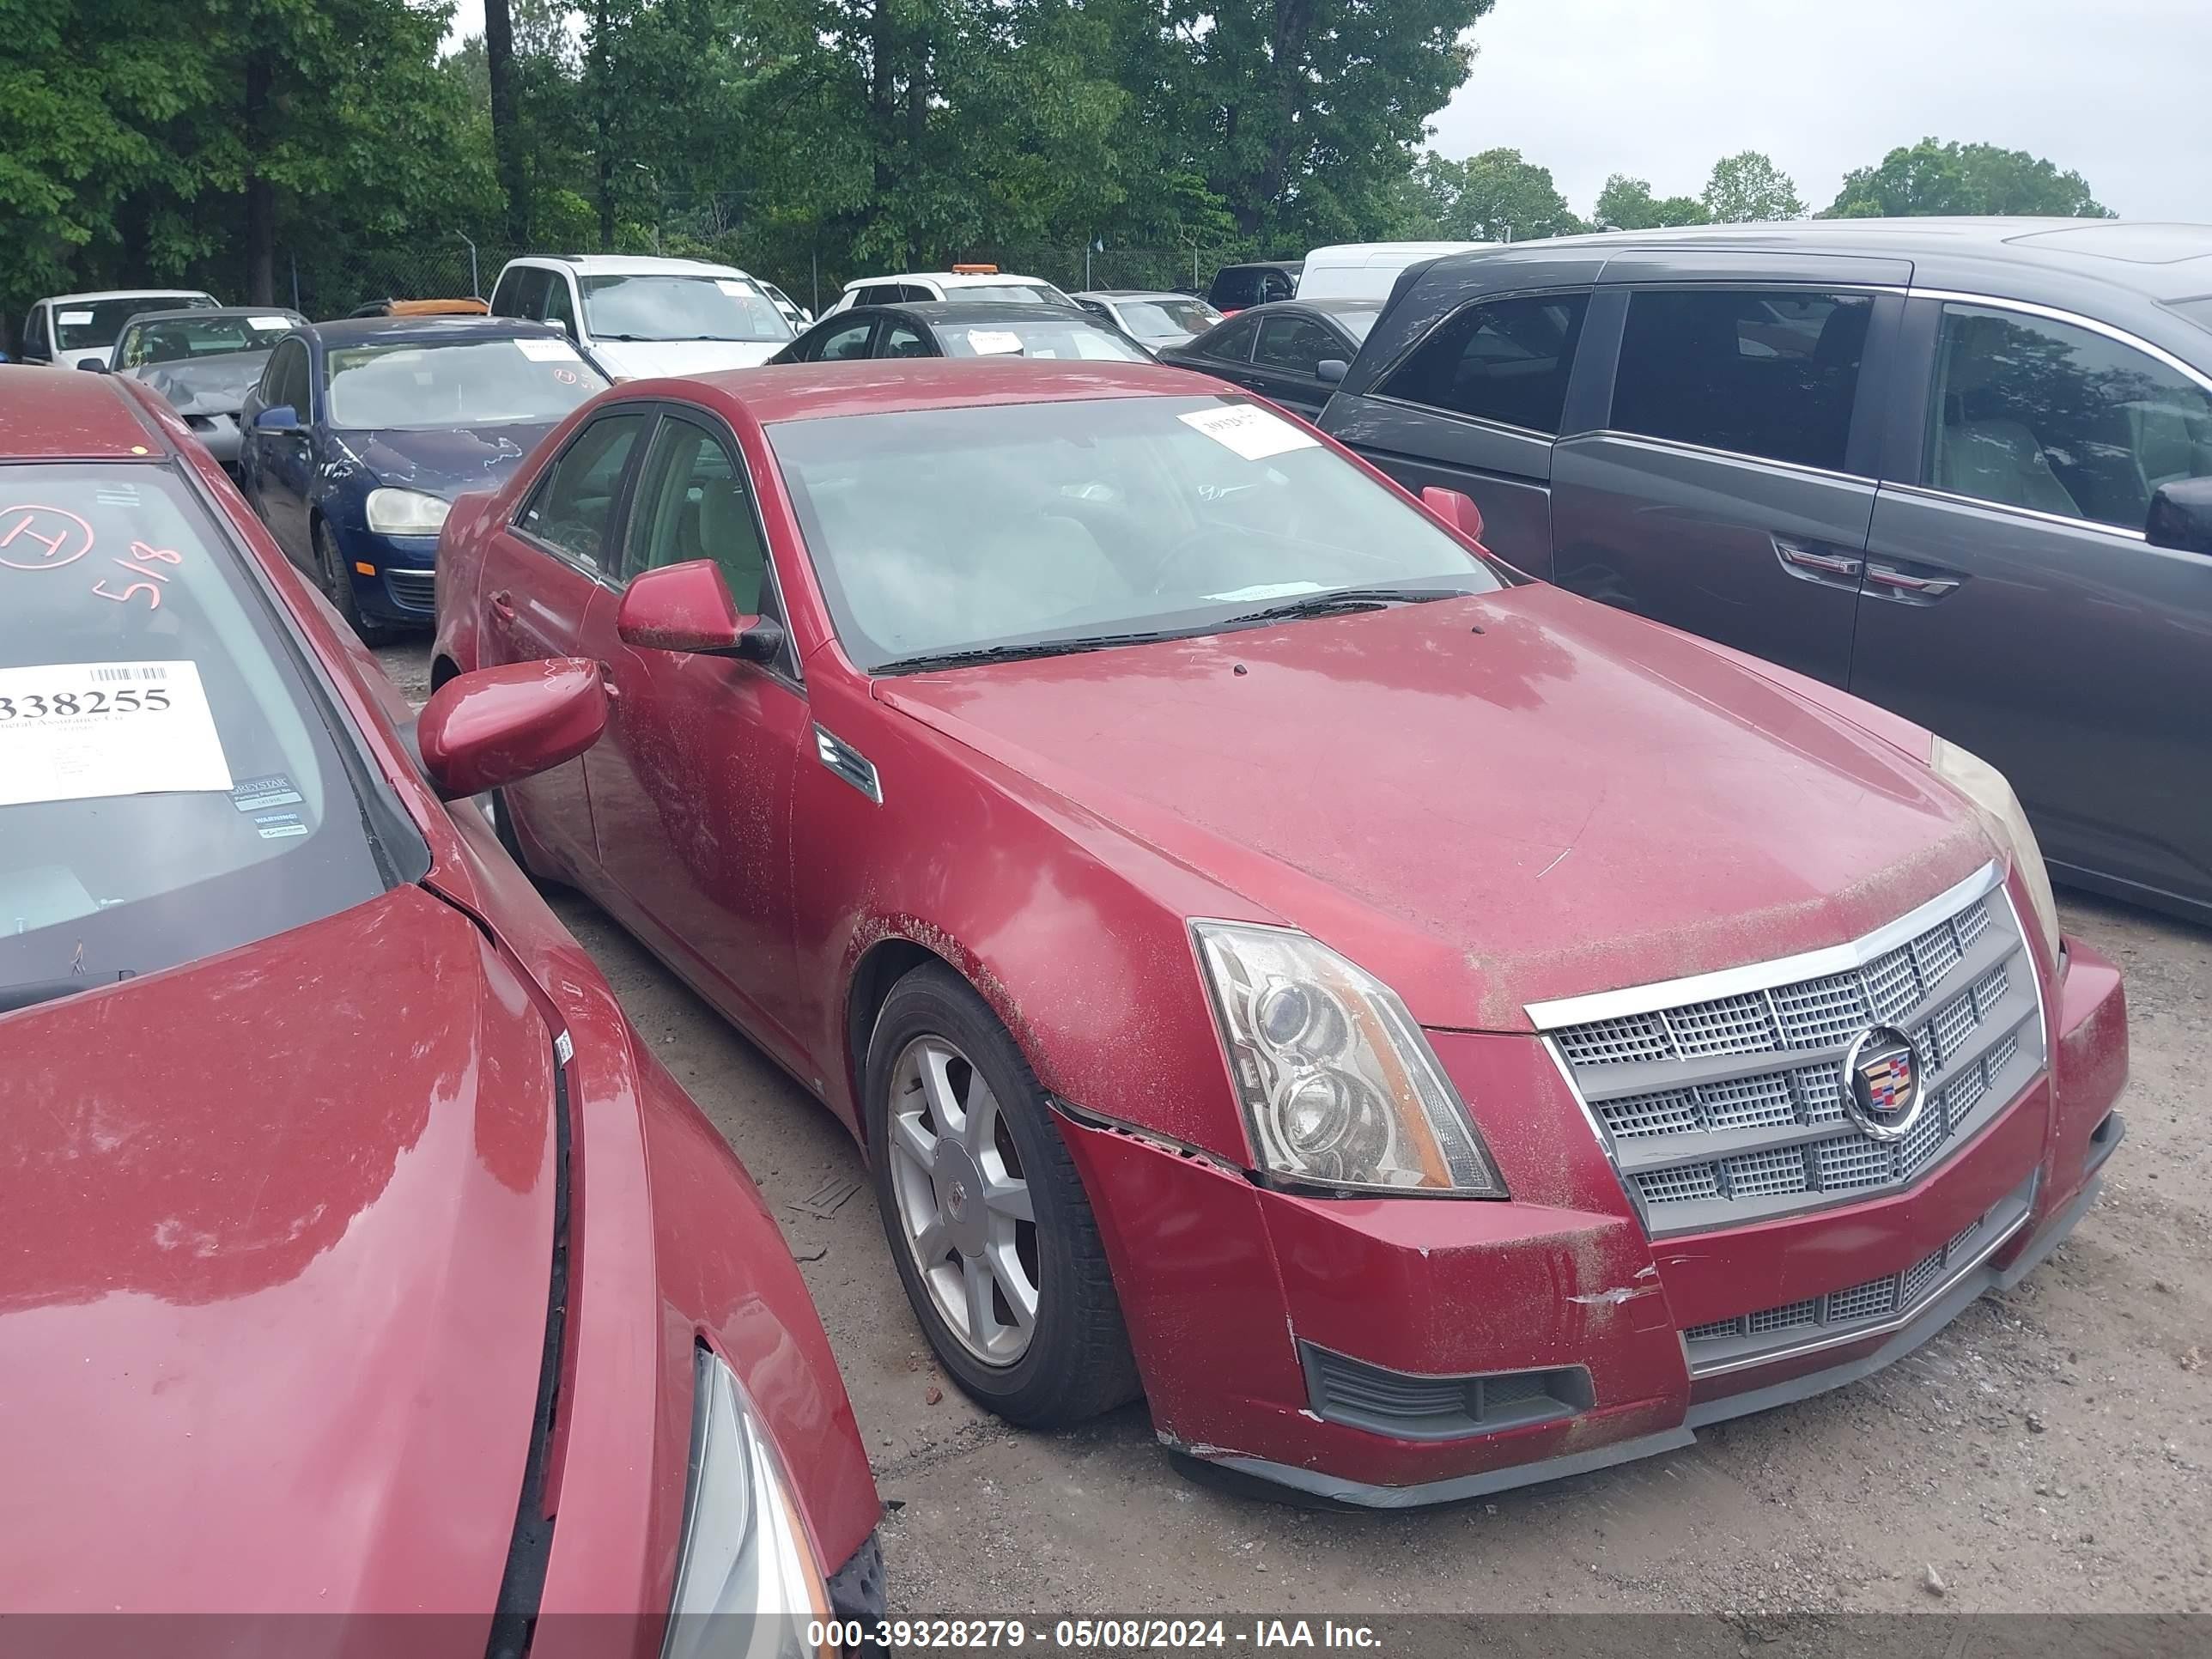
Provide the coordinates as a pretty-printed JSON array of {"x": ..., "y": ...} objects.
[{"x": 324, "y": 283}]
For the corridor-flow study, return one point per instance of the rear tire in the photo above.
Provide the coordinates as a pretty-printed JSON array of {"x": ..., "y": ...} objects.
[
  {"x": 336, "y": 580},
  {"x": 941, "y": 1058}
]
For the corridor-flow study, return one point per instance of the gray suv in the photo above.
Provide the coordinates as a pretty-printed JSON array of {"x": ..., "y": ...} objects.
[{"x": 1962, "y": 468}]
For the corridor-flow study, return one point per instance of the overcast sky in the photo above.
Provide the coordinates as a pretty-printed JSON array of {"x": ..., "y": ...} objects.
[{"x": 2121, "y": 91}]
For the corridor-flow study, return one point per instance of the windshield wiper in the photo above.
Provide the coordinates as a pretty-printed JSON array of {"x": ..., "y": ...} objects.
[
  {"x": 1339, "y": 599},
  {"x": 982, "y": 653},
  {"x": 32, "y": 992}
]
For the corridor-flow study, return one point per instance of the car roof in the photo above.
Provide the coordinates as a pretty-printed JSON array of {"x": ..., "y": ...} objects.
[
  {"x": 1263, "y": 265},
  {"x": 1327, "y": 304},
  {"x": 980, "y": 311},
  {"x": 427, "y": 330},
  {"x": 201, "y": 313},
  {"x": 630, "y": 264},
  {"x": 805, "y": 391},
  {"x": 62, "y": 414},
  {"x": 2160, "y": 260},
  {"x": 125, "y": 294},
  {"x": 947, "y": 278},
  {"x": 1134, "y": 294}
]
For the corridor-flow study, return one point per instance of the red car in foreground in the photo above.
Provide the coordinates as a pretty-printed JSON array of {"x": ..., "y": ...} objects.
[
  {"x": 1429, "y": 1030},
  {"x": 356, "y": 1255}
]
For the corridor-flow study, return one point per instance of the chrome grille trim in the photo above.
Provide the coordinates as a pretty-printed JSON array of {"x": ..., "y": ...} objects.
[
  {"x": 1727, "y": 1106},
  {"x": 1871, "y": 1308}
]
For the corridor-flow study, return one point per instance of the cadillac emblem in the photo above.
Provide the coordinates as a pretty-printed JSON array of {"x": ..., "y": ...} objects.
[{"x": 1882, "y": 1084}]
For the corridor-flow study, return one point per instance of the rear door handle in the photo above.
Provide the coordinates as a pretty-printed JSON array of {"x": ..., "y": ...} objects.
[
  {"x": 1904, "y": 585},
  {"x": 1820, "y": 564}
]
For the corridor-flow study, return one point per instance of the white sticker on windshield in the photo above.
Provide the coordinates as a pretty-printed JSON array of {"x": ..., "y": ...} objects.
[
  {"x": 80, "y": 730},
  {"x": 736, "y": 288},
  {"x": 1249, "y": 430},
  {"x": 270, "y": 325},
  {"x": 547, "y": 351},
  {"x": 993, "y": 342},
  {"x": 1266, "y": 591},
  {"x": 74, "y": 319}
]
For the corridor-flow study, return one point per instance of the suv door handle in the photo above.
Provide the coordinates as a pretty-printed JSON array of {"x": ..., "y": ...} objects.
[
  {"x": 502, "y": 605},
  {"x": 1903, "y": 584},
  {"x": 1839, "y": 565}
]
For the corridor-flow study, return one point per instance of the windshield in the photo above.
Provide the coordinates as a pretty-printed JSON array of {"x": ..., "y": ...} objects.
[
  {"x": 92, "y": 325},
  {"x": 1049, "y": 336},
  {"x": 422, "y": 385},
  {"x": 168, "y": 788},
  {"x": 955, "y": 528},
  {"x": 1040, "y": 294},
  {"x": 1166, "y": 319},
  {"x": 672, "y": 307},
  {"x": 173, "y": 339}
]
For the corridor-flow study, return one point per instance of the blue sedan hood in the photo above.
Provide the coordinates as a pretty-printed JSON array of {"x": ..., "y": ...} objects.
[{"x": 443, "y": 461}]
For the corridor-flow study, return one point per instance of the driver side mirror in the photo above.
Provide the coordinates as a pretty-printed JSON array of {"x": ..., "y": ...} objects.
[
  {"x": 499, "y": 726},
  {"x": 2181, "y": 516},
  {"x": 94, "y": 365},
  {"x": 1456, "y": 510},
  {"x": 277, "y": 417},
  {"x": 687, "y": 607},
  {"x": 1331, "y": 371}
]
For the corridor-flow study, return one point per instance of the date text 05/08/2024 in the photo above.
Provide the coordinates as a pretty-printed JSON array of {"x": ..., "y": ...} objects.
[{"x": 1089, "y": 1635}]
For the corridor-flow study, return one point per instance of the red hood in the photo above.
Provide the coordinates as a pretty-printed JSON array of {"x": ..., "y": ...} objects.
[
  {"x": 1570, "y": 799},
  {"x": 275, "y": 1248}
]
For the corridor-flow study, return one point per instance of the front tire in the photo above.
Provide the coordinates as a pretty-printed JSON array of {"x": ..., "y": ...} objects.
[
  {"x": 985, "y": 1216},
  {"x": 336, "y": 580}
]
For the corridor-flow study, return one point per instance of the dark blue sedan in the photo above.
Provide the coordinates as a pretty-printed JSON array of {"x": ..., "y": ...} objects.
[{"x": 362, "y": 433}]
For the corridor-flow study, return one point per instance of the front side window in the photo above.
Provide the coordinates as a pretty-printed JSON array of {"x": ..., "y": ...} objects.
[
  {"x": 284, "y": 381},
  {"x": 1297, "y": 345},
  {"x": 1230, "y": 344},
  {"x": 903, "y": 339},
  {"x": 1768, "y": 372},
  {"x": 845, "y": 341},
  {"x": 1047, "y": 527},
  {"x": 663, "y": 306},
  {"x": 693, "y": 503},
  {"x": 1507, "y": 361},
  {"x": 521, "y": 294},
  {"x": 2039, "y": 414},
  {"x": 573, "y": 508},
  {"x": 170, "y": 785},
  {"x": 422, "y": 385}
]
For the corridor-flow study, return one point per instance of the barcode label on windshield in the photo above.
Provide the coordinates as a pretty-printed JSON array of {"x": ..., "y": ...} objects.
[{"x": 143, "y": 672}]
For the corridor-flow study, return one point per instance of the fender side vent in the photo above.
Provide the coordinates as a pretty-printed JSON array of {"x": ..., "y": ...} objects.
[{"x": 1407, "y": 1407}]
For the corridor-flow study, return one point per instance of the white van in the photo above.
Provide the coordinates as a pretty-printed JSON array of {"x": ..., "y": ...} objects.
[{"x": 1367, "y": 270}]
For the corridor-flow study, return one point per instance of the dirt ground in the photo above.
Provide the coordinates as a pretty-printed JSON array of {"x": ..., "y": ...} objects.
[{"x": 2048, "y": 1452}]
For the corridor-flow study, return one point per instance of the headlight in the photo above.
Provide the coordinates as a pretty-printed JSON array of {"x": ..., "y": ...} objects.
[
  {"x": 748, "y": 1583},
  {"x": 1339, "y": 1085},
  {"x": 1983, "y": 785},
  {"x": 405, "y": 513}
]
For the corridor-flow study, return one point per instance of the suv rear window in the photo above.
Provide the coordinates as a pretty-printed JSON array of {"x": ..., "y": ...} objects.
[
  {"x": 1507, "y": 361},
  {"x": 1769, "y": 373}
]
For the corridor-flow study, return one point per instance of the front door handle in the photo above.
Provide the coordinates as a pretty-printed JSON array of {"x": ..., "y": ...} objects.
[
  {"x": 607, "y": 682},
  {"x": 1841, "y": 566},
  {"x": 502, "y": 606},
  {"x": 1904, "y": 585}
]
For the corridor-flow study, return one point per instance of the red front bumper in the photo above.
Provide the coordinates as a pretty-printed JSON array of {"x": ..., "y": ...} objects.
[{"x": 1231, "y": 1290}]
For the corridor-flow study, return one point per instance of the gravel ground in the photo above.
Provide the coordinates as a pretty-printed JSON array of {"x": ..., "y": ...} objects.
[{"x": 2048, "y": 1452}]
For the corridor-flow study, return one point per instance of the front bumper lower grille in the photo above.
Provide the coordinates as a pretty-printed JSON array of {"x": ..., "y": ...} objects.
[
  {"x": 416, "y": 590},
  {"x": 1856, "y": 1310},
  {"x": 1721, "y": 1098}
]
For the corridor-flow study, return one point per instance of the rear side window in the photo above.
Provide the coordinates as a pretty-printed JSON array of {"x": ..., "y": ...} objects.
[
  {"x": 1232, "y": 344},
  {"x": 1769, "y": 374},
  {"x": 1506, "y": 361}
]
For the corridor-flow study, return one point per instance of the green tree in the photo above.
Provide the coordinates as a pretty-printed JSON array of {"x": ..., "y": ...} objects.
[
  {"x": 1496, "y": 196},
  {"x": 1627, "y": 203},
  {"x": 1934, "y": 178},
  {"x": 1749, "y": 188}
]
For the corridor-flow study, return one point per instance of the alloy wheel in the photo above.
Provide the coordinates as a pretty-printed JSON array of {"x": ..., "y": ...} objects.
[{"x": 964, "y": 1208}]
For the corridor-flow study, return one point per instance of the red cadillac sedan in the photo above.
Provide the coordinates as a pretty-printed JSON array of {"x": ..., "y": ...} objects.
[
  {"x": 1427, "y": 1031},
  {"x": 356, "y": 1255}
]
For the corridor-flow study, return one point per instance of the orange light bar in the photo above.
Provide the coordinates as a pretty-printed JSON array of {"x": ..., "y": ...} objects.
[{"x": 975, "y": 270}]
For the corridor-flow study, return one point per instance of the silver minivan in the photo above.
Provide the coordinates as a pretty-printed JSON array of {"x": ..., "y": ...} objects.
[{"x": 1961, "y": 468}]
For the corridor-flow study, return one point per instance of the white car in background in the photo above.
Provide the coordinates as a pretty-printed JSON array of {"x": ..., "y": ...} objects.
[
  {"x": 794, "y": 313},
  {"x": 72, "y": 330},
  {"x": 1368, "y": 271},
  {"x": 638, "y": 316},
  {"x": 961, "y": 282}
]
